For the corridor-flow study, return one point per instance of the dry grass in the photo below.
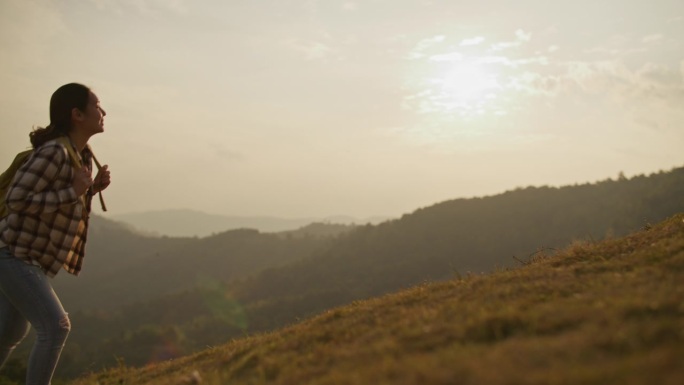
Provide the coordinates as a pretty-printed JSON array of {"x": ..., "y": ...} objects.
[{"x": 610, "y": 312}]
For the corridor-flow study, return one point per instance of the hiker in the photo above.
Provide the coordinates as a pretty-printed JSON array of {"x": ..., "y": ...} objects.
[{"x": 48, "y": 202}]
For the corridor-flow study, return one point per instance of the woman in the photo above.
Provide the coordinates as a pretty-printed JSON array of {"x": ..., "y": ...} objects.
[{"x": 49, "y": 202}]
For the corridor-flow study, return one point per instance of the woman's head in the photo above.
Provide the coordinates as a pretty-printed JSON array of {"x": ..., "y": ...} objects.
[
  {"x": 69, "y": 105},
  {"x": 63, "y": 102}
]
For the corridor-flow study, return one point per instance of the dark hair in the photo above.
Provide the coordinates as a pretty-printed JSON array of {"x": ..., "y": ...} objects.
[{"x": 62, "y": 102}]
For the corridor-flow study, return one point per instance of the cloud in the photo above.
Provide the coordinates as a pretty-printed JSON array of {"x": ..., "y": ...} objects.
[
  {"x": 659, "y": 76},
  {"x": 616, "y": 51},
  {"x": 503, "y": 60},
  {"x": 495, "y": 60},
  {"x": 521, "y": 37},
  {"x": 654, "y": 38},
  {"x": 448, "y": 57},
  {"x": 504, "y": 45},
  {"x": 312, "y": 50},
  {"x": 472, "y": 41},
  {"x": 623, "y": 44},
  {"x": 425, "y": 44},
  {"x": 532, "y": 83},
  {"x": 649, "y": 83},
  {"x": 599, "y": 77},
  {"x": 553, "y": 48}
]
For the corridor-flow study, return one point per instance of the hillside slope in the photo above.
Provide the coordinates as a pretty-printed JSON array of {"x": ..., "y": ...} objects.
[
  {"x": 431, "y": 244},
  {"x": 595, "y": 313}
]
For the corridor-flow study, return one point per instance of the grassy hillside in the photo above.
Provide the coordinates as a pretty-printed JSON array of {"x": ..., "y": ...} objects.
[{"x": 609, "y": 312}]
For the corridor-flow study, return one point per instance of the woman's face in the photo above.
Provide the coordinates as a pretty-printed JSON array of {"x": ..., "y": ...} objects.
[{"x": 93, "y": 117}]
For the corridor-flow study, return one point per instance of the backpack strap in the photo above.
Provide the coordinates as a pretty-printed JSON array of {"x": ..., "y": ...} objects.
[
  {"x": 99, "y": 166},
  {"x": 76, "y": 160}
]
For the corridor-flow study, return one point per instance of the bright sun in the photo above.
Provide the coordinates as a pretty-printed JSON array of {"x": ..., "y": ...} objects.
[
  {"x": 465, "y": 88},
  {"x": 454, "y": 95}
]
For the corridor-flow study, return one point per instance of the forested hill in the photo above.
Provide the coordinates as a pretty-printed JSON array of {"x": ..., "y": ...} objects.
[
  {"x": 123, "y": 266},
  {"x": 598, "y": 313},
  {"x": 455, "y": 238},
  {"x": 439, "y": 242}
]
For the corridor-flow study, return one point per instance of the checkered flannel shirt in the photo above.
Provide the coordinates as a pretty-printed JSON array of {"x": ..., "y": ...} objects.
[{"x": 48, "y": 222}]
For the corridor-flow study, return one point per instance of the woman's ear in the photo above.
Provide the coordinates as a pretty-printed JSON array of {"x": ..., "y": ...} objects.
[{"x": 76, "y": 115}]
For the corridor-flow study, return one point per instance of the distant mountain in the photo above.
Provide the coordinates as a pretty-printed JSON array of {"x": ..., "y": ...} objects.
[
  {"x": 192, "y": 223},
  {"x": 124, "y": 266}
]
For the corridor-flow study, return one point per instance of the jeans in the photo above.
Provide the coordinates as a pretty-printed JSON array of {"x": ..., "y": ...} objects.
[{"x": 26, "y": 297}]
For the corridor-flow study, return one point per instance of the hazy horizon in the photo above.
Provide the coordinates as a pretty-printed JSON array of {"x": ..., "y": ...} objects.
[
  {"x": 620, "y": 174},
  {"x": 361, "y": 108}
]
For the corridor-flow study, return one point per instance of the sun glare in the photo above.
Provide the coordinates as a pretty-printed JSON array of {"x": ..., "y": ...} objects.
[
  {"x": 457, "y": 97},
  {"x": 466, "y": 87}
]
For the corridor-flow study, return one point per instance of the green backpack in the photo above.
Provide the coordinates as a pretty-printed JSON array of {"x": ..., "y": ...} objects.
[{"x": 21, "y": 158}]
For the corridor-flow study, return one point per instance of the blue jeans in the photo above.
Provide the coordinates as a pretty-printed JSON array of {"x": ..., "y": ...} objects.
[{"x": 26, "y": 297}]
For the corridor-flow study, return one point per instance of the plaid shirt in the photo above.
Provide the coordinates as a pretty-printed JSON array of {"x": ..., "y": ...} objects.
[{"x": 48, "y": 222}]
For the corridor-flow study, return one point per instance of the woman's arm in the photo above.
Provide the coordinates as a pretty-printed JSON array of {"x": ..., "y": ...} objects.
[{"x": 32, "y": 191}]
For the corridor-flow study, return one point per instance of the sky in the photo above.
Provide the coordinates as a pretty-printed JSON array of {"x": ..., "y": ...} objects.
[{"x": 314, "y": 108}]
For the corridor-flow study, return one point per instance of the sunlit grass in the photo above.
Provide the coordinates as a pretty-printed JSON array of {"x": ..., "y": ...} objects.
[{"x": 610, "y": 312}]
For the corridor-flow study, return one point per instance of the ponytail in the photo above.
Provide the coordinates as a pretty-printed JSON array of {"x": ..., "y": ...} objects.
[{"x": 41, "y": 135}]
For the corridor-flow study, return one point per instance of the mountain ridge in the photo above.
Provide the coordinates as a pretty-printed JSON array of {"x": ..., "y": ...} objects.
[{"x": 195, "y": 223}]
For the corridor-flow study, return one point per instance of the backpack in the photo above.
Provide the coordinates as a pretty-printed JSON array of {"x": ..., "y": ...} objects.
[{"x": 21, "y": 158}]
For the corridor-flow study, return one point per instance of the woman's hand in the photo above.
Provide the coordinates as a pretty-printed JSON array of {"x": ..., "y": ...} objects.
[
  {"x": 102, "y": 180},
  {"x": 82, "y": 180}
]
